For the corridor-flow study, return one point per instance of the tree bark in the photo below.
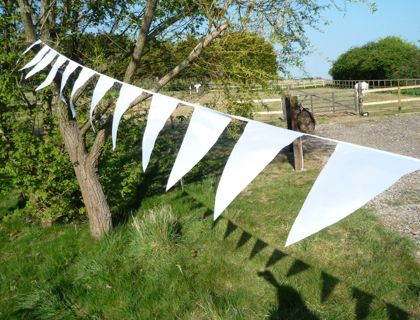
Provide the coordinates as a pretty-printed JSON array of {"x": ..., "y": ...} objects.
[{"x": 99, "y": 214}]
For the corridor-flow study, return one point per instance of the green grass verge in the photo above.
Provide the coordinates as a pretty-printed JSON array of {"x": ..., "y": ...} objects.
[{"x": 171, "y": 261}]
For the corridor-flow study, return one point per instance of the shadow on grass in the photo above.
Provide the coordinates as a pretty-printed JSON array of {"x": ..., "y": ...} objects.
[{"x": 289, "y": 302}]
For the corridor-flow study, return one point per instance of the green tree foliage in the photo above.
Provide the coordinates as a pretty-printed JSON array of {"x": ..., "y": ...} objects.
[
  {"x": 387, "y": 58},
  {"x": 236, "y": 57},
  {"x": 33, "y": 162}
]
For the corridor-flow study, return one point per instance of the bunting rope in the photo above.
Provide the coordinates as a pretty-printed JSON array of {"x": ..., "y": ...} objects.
[{"x": 352, "y": 176}]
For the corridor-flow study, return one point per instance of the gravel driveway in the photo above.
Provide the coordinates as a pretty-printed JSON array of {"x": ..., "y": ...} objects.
[{"x": 399, "y": 206}]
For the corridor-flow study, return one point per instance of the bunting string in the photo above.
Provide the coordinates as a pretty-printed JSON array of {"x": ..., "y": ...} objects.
[{"x": 352, "y": 176}]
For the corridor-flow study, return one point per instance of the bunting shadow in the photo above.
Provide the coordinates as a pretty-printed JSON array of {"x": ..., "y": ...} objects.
[{"x": 289, "y": 303}]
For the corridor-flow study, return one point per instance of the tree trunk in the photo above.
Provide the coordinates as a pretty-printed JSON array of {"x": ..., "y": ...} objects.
[
  {"x": 85, "y": 166},
  {"x": 85, "y": 163},
  {"x": 99, "y": 214},
  {"x": 26, "y": 15}
]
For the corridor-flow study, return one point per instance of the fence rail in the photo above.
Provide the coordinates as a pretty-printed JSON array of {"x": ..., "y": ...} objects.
[
  {"x": 287, "y": 84},
  {"x": 394, "y": 88},
  {"x": 373, "y": 84}
]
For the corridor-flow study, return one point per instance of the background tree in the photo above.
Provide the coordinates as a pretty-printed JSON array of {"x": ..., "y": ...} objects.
[
  {"x": 387, "y": 58},
  {"x": 68, "y": 24}
]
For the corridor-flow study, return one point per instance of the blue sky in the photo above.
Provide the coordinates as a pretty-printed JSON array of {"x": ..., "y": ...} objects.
[{"x": 357, "y": 26}]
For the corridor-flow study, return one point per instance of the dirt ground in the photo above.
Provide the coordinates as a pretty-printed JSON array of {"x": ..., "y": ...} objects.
[{"x": 399, "y": 206}]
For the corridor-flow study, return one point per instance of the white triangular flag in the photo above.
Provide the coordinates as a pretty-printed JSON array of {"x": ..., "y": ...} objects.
[
  {"x": 27, "y": 49},
  {"x": 66, "y": 74},
  {"x": 84, "y": 76},
  {"x": 128, "y": 94},
  {"x": 57, "y": 64},
  {"x": 161, "y": 108},
  {"x": 45, "y": 61},
  {"x": 38, "y": 57},
  {"x": 102, "y": 86},
  {"x": 255, "y": 149},
  {"x": 203, "y": 131},
  {"x": 352, "y": 176},
  {"x": 31, "y": 46}
]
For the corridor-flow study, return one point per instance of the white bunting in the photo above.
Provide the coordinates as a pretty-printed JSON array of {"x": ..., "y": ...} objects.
[
  {"x": 104, "y": 84},
  {"x": 203, "y": 131},
  {"x": 128, "y": 94},
  {"x": 255, "y": 149},
  {"x": 57, "y": 64},
  {"x": 45, "y": 61},
  {"x": 352, "y": 176},
  {"x": 38, "y": 57},
  {"x": 83, "y": 77},
  {"x": 161, "y": 108},
  {"x": 66, "y": 74}
]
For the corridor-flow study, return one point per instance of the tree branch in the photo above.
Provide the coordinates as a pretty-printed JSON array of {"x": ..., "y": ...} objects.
[
  {"x": 84, "y": 128},
  {"x": 26, "y": 15},
  {"x": 97, "y": 148},
  {"x": 95, "y": 151},
  {"x": 171, "y": 20},
  {"x": 209, "y": 38},
  {"x": 141, "y": 40}
]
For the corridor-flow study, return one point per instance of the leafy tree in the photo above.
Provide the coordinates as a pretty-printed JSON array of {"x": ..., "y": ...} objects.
[
  {"x": 387, "y": 58},
  {"x": 236, "y": 57},
  {"x": 68, "y": 24}
]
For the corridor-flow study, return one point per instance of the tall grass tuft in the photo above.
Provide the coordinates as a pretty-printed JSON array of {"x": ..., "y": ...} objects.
[
  {"x": 45, "y": 303},
  {"x": 157, "y": 232}
]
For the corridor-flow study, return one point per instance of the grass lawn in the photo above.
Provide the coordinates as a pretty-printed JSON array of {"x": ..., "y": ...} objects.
[
  {"x": 8, "y": 202},
  {"x": 171, "y": 261}
]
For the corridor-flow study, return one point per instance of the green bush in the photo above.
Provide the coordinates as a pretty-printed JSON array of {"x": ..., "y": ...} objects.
[{"x": 388, "y": 58}]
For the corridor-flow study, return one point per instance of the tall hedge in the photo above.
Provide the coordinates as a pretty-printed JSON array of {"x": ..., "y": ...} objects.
[{"x": 387, "y": 58}]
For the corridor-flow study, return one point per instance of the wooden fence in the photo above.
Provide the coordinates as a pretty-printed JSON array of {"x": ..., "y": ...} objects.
[
  {"x": 393, "y": 104},
  {"x": 345, "y": 101},
  {"x": 287, "y": 84}
]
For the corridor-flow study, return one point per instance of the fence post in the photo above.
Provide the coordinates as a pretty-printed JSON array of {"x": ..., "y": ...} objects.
[
  {"x": 355, "y": 99},
  {"x": 292, "y": 110},
  {"x": 360, "y": 97},
  {"x": 284, "y": 109},
  {"x": 399, "y": 98},
  {"x": 312, "y": 104}
]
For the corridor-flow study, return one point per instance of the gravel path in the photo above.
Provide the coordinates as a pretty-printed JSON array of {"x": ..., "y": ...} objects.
[{"x": 399, "y": 206}]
